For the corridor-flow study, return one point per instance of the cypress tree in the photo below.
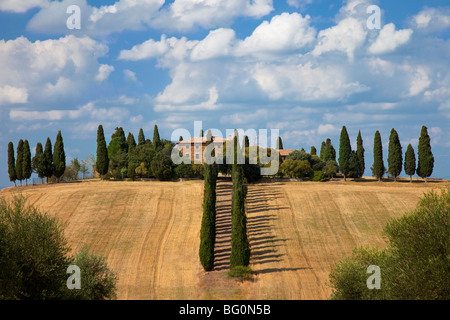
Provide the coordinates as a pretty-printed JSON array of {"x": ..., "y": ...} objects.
[
  {"x": 247, "y": 142},
  {"x": 360, "y": 154},
  {"x": 102, "y": 153},
  {"x": 410, "y": 162},
  {"x": 19, "y": 161},
  {"x": 156, "y": 138},
  {"x": 118, "y": 142},
  {"x": 141, "y": 137},
  {"x": 208, "y": 227},
  {"x": 329, "y": 152},
  {"x": 240, "y": 247},
  {"x": 59, "y": 157},
  {"x": 26, "y": 163},
  {"x": 11, "y": 163},
  {"x": 47, "y": 165},
  {"x": 313, "y": 151},
  {"x": 37, "y": 162},
  {"x": 354, "y": 170},
  {"x": 395, "y": 155},
  {"x": 279, "y": 143},
  {"x": 131, "y": 142},
  {"x": 322, "y": 150},
  {"x": 426, "y": 159},
  {"x": 378, "y": 168},
  {"x": 345, "y": 150}
]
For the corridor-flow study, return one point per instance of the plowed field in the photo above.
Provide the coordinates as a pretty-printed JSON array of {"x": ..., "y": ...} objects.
[{"x": 149, "y": 232}]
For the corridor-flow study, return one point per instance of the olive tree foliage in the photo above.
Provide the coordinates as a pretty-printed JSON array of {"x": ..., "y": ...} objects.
[
  {"x": 35, "y": 256},
  {"x": 414, "y": 266}
]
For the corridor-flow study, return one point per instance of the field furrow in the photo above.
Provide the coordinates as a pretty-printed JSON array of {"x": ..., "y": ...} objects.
[{"x": 149, "y": 232}]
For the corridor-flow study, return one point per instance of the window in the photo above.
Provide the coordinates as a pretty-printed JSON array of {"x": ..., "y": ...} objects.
[
  {"x": 197, "y": 156},
  {"x": 187, "y": 155},
  {"x": 196, "y": 146}
]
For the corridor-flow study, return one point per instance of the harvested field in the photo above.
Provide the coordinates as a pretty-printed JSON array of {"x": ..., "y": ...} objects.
[{"x": 149, "y": 232}]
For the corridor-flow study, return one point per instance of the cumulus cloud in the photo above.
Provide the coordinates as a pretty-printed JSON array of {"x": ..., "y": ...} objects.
[
  {"x": 12, "y": 95},
  {"x": 305, "y": 82},
  {"x": 52, "y": 69},
  {"x": 432, "y": 19},
  {"x": 180, "y": 15},
  {"x": 22, "y": 5},
  {"x": 103, "y": 72},
  {"x": 216, "y": 44},
  {"x": 184, "y": 15},
  {"x": 389, "y": 39},
  {"x": 285, "y": 32},
  {"x": 348, "y": 35},
  {"x": 209, "y": 104}
]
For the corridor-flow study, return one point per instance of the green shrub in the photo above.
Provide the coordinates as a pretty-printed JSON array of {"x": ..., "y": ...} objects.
[
  {"x": 97, "y": 281},
  {"x": 241, "y": 272},
  {"x": 318, "y": 176},
  {"x": 162, "y": 167},
  {"x": 414, "y": 266},
  {"x": 34, "y": 258}
]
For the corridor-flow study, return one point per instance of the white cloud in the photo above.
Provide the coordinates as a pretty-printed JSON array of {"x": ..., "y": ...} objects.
[
  {"x": 181, "y": 15},
  {"x": 389, "y": 39},
  {"x": 184, "y": 15},
  {"x": 327, "y": 129},
  {"x": 22, "y": 5},
  {"x": 50, "y": 70},
  {"x": 432, "y": 19},
  {"x": 419, "y": 79},
  {"x": 147, "y": 49},
  {"x": 12, "y": 95},
  {"x": 216, "y": 44},
  {"x": 130, "y": 76},
  {"x": 88, "y": 111},
  {"x": 348, "y": 35},
  {"x": 209, "y": 104},
  {"x": 103, "y": 72},
  {"x": 299, "y": 3},
  {"x": 241, "y": 118},
  {"x": 305, "y": 82},
  {"x": 285, "y": 32}
]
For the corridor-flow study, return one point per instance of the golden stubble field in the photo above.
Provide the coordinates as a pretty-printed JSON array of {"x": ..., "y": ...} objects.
[{"x": 149, "y": 232}]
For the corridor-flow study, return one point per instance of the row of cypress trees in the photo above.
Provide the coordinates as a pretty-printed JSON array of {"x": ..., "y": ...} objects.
[
  {"x": 45, "y": 162},
  {"x": 107, "y": 153},
  {"x": 240, "y": 246},
  {"x": 425, "y": 163},
  {"x": 351, "y": 162}
]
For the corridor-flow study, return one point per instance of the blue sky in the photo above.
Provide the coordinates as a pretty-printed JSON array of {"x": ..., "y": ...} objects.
[{"x": 305, "y": 67}]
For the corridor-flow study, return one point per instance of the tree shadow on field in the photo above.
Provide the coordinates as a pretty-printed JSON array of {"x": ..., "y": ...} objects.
[{"x": 261, "y": 218}]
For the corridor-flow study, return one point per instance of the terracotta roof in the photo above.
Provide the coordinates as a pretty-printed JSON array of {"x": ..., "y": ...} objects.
[{"x": 286, "y": 152}]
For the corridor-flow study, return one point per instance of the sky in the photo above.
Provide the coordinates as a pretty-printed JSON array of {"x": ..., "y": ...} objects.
[{"x": 304, "y": 67}]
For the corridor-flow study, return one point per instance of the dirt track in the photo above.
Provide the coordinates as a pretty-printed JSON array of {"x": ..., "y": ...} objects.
[{"x": 149, "y": 233}]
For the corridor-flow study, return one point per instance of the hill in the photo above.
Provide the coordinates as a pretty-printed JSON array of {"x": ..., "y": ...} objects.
[{"x": 149, "y": 232}]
